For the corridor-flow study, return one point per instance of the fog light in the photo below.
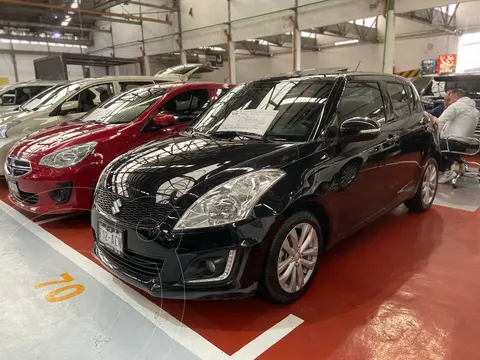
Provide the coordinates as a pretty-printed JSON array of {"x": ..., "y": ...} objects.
[
  {"x": 211, "y": 266},
  {"x": 215, "y": 269},
  {"x": 62, "y": 194}
]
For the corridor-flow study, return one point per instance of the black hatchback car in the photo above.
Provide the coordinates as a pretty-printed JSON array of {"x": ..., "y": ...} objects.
[{"x": 264, "y": 181}]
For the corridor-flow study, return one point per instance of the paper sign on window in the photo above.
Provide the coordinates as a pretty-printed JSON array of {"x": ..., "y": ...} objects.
[{"x": 250, "y": 121}]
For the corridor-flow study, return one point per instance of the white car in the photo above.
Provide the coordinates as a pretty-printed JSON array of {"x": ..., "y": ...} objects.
[
  {"x": 61, "y": 104},
  {"x": 12, "y": 96}
]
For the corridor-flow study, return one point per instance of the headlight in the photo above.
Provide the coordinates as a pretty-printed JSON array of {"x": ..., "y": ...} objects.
[
  {"x": 69, "y": 156},
  {"x": 4, "y": 128},
  {"x": 229, "y": 202},
  {"x": 3, "y": 131}
]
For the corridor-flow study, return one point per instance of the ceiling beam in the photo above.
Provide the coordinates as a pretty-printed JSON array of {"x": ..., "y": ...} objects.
[
  {"x": 84, "y": 11},
  {"x": 108, "y": 4},
  {"x": 46, "y": 39},
  {"x": 28, "y": 24},
  {"x": 146, "y": 4}
]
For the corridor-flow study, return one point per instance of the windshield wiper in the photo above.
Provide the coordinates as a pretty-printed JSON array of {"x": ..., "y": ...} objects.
[
  {"x": 242, "y": 134},
  {"x": 195, "y": 133}
]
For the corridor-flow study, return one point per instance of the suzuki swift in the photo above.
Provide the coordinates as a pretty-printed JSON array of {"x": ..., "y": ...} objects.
[
  {"x": 55, "y": 170},
  {"x": 276, "y": 172}
]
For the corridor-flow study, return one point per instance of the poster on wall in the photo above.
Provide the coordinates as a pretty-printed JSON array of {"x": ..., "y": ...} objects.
[
  {"x": 446, "y": 63},
  {"x": 428, "y": 66}
]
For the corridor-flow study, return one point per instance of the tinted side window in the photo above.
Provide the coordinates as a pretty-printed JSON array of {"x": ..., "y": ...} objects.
[
  {"x": 92, "y": 97},
  {"x": 361, "y": 100},
  {"x": 125, "y": 86},
  {"x": 189, "y": 102},
  {"x": 400, "y": 101}
]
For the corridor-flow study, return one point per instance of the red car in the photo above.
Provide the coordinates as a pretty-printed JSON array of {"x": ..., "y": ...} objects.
[{"x": 55, "y": 170}]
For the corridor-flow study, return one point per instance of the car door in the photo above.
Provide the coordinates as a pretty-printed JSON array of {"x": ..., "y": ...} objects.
[
  {"x": 85, "y": 100},
  {"x": 405, "y": 131},
  {"x": 355, "y": 168}
]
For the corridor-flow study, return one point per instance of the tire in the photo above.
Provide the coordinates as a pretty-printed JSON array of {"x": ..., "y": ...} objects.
[
  {"x": 270, "y": 287},
  {"x": 419, "y": 203}
]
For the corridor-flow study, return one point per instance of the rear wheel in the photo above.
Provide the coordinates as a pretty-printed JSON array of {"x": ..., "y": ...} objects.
[
  {"x": 427, "y": 189},
  {"x": 293, "y": 259}
]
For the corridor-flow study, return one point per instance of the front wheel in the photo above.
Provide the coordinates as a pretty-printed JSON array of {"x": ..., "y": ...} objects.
[
  {"x": 292, "y": 260},
  {"x": 427, "y": 188}
]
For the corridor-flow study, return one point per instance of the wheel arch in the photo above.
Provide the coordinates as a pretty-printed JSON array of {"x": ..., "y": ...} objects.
[{"x": 318, "y": 210}]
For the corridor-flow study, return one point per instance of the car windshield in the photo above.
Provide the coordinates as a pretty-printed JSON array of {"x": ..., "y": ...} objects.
[
  {"x": 281, "y": 110},
  {"x": 49, "y": 97},
  {"x": 126, "y": 107}
]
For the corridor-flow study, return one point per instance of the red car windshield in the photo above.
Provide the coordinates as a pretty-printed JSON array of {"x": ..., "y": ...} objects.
[{"x": 125, "y": 107}]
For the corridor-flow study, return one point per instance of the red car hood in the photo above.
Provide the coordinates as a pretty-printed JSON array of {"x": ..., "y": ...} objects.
[{"x": 61, "y": 136}]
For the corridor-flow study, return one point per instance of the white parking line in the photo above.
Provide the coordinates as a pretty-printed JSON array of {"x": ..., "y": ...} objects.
[
  {"x": 176, "y": 330},
  {"x": 183, "y": 335},
  {"x": 52, "y": 219},
  {"x": 262, "y": 343}
]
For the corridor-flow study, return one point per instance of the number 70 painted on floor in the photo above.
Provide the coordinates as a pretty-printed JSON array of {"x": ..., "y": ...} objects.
[{"x": 66, "y": 278}]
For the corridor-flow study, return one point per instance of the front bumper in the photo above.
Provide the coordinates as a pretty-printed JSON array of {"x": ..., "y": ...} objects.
[
  {"x": 175, "y": 257},
  {"x": 36, "y": 186}
]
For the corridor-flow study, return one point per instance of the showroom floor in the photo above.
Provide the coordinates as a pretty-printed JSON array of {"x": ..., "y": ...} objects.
[{"x": 406, "y": 287}]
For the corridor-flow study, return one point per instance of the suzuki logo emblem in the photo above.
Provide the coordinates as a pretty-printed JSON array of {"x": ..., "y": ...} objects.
[{"x": 117, "y": 204}]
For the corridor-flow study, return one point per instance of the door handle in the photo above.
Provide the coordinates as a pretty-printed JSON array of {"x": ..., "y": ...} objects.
[{"x": 392, "y": 139}]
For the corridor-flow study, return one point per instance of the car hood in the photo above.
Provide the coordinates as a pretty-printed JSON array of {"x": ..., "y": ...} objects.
[
  {"x": 64, "y": 135},
  {"x": 16, "y": 116},
  {"x": 168, "y": 170}
]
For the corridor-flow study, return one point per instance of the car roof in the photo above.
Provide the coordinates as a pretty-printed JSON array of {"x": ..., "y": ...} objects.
[
  {"x": 115, "y": 78},
  {"x": 457, "y": 76},
  {"x": 333, "y": 74},
  {"x": 188, "y": 85},
  {"x": 35, "y": 82}
]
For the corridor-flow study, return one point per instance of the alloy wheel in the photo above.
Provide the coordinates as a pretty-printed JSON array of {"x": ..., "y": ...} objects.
[
  {"x": 298, "y": 257},
  {"x": 429, "y": 184}
]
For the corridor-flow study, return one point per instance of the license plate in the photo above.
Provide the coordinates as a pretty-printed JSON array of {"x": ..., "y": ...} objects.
[
  {"x": 111, "y": 238},
  {"x": 13, "y": 188}
]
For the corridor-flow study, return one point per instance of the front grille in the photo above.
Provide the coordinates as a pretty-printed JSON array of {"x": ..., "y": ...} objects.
[
  {"x": 28, "y": 198},
  {"x": 135, "y": 265},
  {"x": 142, "y": 213},
  {"x": 17, "y": 167}
]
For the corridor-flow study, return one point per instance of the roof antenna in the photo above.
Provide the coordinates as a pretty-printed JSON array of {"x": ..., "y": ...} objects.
[{"x": 358, "y": 65}]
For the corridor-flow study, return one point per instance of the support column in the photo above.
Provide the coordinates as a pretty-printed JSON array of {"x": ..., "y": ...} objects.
[
  {"x": 14, "y": 62},
  {"x": 389, "y": 42},
  {"x": 296, "y": 41},
  {"x": 183, "y": 57},
  {"x": 183, "y": 53},
  {"x": 146, "y": 65},
  {"x": 232, "y": 65}
]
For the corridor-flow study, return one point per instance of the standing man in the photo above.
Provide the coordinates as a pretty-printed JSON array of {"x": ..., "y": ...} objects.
[{"x": 459, "y": 119}]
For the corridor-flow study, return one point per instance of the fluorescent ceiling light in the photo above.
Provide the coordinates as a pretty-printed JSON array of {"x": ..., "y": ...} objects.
[{"x": 346, "y": 42}]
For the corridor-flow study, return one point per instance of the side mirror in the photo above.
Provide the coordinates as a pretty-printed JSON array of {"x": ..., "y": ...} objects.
[
  {"x": 69, "y": 106},
  {"x": 359, "y": 129},
  {"x": 162, "y": 120}
]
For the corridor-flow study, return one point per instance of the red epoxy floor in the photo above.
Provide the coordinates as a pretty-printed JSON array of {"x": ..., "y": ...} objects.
[{"x": 406, "y": 287}]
